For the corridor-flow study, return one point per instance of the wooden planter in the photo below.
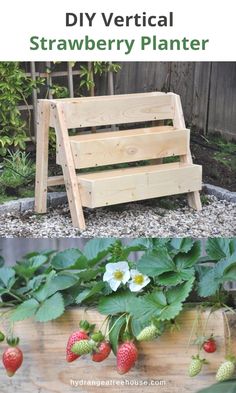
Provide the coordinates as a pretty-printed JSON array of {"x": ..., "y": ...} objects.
[{"x": 162, "y": 362}]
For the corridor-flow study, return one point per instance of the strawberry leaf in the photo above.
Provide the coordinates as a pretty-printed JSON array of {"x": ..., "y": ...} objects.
[
  {"x": 117, "y": 303},
  {"x": 96, "y": 249},
  {"x": 50, "y": 309},
  {"x": 71, "y": 258},
  {"x": 155, "y": 263},
  {"x": 116, "y": 326},
  {"x": 25, "y": 310}
]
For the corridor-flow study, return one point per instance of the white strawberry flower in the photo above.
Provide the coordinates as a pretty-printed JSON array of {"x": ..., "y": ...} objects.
[
  {"x": 116, "y": 274},
  {"x": 138, "y": 280}
]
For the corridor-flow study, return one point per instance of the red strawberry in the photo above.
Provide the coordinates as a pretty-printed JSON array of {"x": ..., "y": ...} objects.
[
  {"x": 126, "y": 357},
  {"x": 209, "y": 345},
  {"x": 74, "y": 337},
  {"x": 12, "y": 359},
  {"x": 103, "y": 351}
]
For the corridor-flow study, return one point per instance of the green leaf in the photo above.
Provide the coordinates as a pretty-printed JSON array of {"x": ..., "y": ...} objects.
[
  {"x": 116, "y": 326},
  {"x": 209, "y": 284},
  {"x": 155, "y": 263},
  {"x": 25, "y": 310},
  {"x": 96, "y": 249},
  {"x": 218, "y": 248},
  {"x": 27, "y": 268},
  {"x": 180, "y": 293},
  {"x": 183, "y": 245},
  {"x": 89, "y": 274},
  {"x": 54, "y": 284},
  {"x": 71, "y": 258},
  {"x": 189, "y": 258},
  {"x": 87, "y": 293},
  {"x": 226, "y": 387},
  {"x": 174, "y": 278},
  {"x": 50, "y": 309},
  {"x": 7, "y": 276},
  {"x": 117, "y": 303}
]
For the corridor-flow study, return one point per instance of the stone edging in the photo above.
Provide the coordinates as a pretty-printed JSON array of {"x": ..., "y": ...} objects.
[{"x": 60, "y": 198}]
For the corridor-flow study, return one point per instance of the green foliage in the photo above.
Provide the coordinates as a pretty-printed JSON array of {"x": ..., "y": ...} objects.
[
  {"x": 226, "y": 387},
  {"x": 15, "y": 88},
  {"x": 18, "y": 171},
  {"x": 212, "y": 276},
  {"x": 43, "y": 284}
]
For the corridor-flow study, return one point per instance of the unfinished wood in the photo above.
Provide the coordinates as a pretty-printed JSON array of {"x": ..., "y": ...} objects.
[
  {"x": 68, "y": 168},
  {"x": 128, "y": 146},
  {"x": 194, "y": 200},
  {"x": 133, "y": 184},
  {"x": 45, "y": 370},
  {"x": 42, "y": 157},
  {"x": 129, "y": 108}
]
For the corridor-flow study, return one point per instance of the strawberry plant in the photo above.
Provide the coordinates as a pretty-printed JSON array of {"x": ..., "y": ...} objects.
[{"x": 140, "y": 299}]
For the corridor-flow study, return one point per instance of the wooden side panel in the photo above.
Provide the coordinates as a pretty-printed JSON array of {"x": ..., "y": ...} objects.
[
  {"x": 128, "y": 108},
  {"x": 45, "y": 370},
  {"x": 133, "y": 184},
  {"x": 127, "y": 146}
]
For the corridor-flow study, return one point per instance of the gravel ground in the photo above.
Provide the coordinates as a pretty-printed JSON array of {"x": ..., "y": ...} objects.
[{"x": 153, "y": 218}]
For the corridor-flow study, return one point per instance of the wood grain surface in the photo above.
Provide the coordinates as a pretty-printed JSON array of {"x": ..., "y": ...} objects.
[{"x": 164, "y": 361}]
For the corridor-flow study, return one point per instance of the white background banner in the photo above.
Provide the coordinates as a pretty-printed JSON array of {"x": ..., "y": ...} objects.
[{"x": 197, "y": 31}]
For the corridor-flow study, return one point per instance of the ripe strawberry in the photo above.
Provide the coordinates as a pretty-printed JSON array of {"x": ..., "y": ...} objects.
[
  {"x": 102, "y": 352},
  {"x": 225, "y": 371},
  {"x": 82, "y": 347},
  {"x": 148, "y": 333},
  {"x": 126, "y": 356},
  {"x": 209, "y": 345},
  {"x": 74, "y": 337},
  {"x": 195, "y": 366},
  {"x": 12, "y": 359}
]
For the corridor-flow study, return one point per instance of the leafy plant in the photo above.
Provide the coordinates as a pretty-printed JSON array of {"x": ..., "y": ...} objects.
[
  {"x": 218, "y": 268},
  {"x": 226, "y": 387},
  {"x": 15, "y": 88},
  {"x": 42, "y": 285},
  {"x": 18, "y": 171}
]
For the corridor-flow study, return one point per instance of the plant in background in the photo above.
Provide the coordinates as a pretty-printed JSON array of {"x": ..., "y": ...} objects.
[
  {"x": 15, "y": 88},
  {"x": 18, "y": 171}
]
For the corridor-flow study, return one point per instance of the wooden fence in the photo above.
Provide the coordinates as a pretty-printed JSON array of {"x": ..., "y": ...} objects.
[{"x": 207, "y": 90}]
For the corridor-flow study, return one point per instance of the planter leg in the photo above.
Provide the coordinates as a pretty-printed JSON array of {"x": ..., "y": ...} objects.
[{"x": 43, "y": 123}]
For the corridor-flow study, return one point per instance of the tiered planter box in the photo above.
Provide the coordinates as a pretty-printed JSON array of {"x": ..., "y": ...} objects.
[{"x": 165, "y": 361}]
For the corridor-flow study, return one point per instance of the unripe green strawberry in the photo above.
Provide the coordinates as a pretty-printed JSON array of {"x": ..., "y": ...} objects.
[
  {"x": 195, "y": 366},
  {"x": 225, "y": 371},
  {"x": 2, "y": 337},
  {"x": 82, "y": 347},
  {"x": 148, "y": 333}
]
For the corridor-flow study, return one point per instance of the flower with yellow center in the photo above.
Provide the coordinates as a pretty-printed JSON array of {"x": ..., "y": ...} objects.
[
  {"x": 116, "y": 274},
  {"x": 138, "y": 280}
]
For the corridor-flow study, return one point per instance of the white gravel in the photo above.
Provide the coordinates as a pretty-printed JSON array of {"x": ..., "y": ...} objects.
[{"x": 146, "y": 218}]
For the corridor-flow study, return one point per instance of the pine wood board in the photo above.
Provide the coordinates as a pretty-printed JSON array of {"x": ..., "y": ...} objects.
[
  {"x": 138, "y": 183},
  {"x": 125, "y": 108},
  {"x": 45, "y": 370},
  {"x": 109, "y": 148}
]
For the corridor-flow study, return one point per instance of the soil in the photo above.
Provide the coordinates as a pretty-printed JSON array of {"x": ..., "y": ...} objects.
[{"x": 214, "y": 171}]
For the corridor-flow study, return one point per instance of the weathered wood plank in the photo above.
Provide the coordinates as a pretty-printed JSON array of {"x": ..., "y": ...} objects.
[{"x": 45, "y": 370}]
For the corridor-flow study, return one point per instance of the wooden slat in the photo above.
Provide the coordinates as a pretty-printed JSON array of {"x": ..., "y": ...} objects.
[
  {"x": 42, "y": 157},
  {"x": 69, "y": 173},
  {"x": 45, "y": 370},
  {"x": 138, "y": 183},
  {"x": 127, "y": 146},
  {"x": 194, "y": 199},
  {"x": 125, "y": 108}
]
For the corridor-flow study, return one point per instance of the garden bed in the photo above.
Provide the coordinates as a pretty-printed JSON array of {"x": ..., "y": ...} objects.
[{"x": 164, "y": 361}]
